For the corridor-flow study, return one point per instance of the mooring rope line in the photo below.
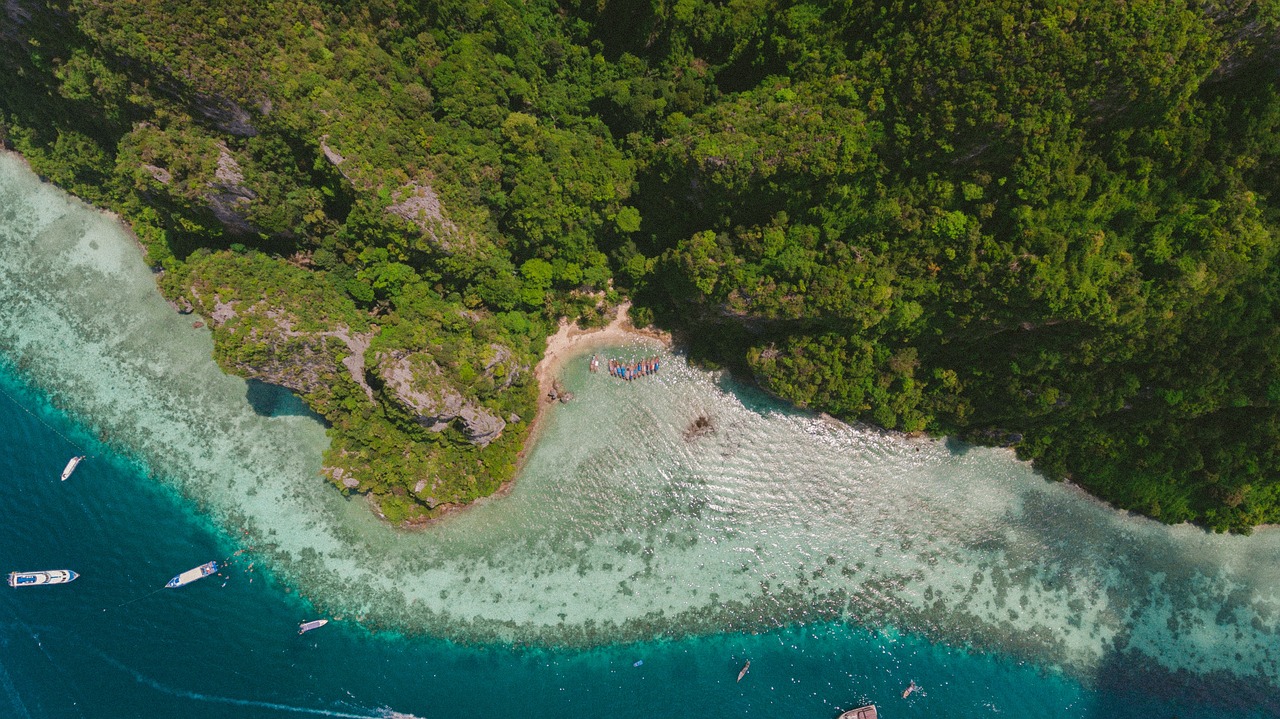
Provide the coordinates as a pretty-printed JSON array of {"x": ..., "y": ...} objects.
[{"x": 42, "y": 420}]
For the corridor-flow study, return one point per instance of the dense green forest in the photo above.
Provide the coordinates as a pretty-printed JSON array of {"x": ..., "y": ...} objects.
[{"x": 1051, "y": 226}]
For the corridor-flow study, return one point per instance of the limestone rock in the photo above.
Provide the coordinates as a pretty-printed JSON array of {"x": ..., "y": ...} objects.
[
  {"x": 160, "y": 174},
  {"x": 416, "y": 382},
  {"x": 228, "y": 198},
  {"x": 225, "y": 115},
  {"x": 347, "y": 480},
  {"x": 480, "y": 425},
  {"x": 420, "y": 205}
]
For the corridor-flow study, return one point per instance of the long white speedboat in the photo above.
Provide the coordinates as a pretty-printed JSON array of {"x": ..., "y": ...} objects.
[
  {"x": 313, "y": 624},
  {"x": 192, "y": 575},
  {"x": 31, "y": 579},
  {"x": 71, "y": 467}
]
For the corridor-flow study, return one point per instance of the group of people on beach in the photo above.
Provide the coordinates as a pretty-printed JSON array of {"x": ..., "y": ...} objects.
[{"x": 634, "y": 370}]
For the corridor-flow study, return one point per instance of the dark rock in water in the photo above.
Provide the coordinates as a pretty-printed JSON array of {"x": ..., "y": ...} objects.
[
  {"x": 558, "y": 392},
  {"x": 699, "y": 428}
]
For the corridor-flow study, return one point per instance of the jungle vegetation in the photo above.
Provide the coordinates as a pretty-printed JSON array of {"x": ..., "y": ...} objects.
[{"x": 1048, "y": 225}]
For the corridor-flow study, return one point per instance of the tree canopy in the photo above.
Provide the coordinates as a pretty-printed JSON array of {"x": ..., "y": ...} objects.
[{"x": 1045, "y": 225}]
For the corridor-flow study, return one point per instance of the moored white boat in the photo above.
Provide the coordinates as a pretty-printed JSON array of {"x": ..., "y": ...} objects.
[
  {"x": 313, "y": 624},
  {"x": 192, "y": 575},
  {"x": 71, "y": 467},
  {"x": 31, "y": 579}
]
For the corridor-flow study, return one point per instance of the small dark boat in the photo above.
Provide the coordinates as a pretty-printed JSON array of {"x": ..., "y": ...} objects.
[
  {"x": 313, "y": 624},
  {"x": 910, "y": 688},
  {"x": 745, "y": 667},
  {"x": 867, "y": 712}
]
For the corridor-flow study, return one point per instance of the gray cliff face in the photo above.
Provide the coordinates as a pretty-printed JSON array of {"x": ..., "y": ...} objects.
[
  {"x": 228, "y": 197},
  {"x": 417, "y": 382},
  {"x": 481, "y": 426},
  {"x": 419, "y": 204},
  {"x": 226, "y": 115},
  {"x": 305, "y": 362}
]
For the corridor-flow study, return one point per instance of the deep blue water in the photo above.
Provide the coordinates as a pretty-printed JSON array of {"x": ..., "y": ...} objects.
[{"x": 110, "y": 645}]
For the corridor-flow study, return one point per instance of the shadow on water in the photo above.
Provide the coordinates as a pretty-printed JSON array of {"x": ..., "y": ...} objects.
[
  {"x": 756, "y": 400},
  {"x": 269, "y": 400},
  {"x": 957, "y": 447},
  {"x": 1128, "y": 681}
]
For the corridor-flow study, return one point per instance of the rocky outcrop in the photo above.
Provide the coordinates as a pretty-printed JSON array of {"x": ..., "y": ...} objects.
[
  {"x": 333, "y": 156},
  {"x": 420, "y": 205},
  {"x": 160, "y": 174},
  {"x": 228, "y": 197},
  {"x": 16, "y": 16},
  {"x": 480, "y": 425},
  {"x": 340, "y": 475},
  {"x": 225, "y": 115},
  {"x": 305, "y": 362},
  {"x": 417, "y": 383}
]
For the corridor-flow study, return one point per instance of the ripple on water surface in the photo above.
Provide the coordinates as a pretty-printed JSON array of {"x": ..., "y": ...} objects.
[{"x": 621, "y": 526}]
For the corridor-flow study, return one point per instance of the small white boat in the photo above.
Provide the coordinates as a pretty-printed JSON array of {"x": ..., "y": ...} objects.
[
  {"x": 71, "y": 467},
  {"x": 192, "y": 575},
  {"x": 745, "y": 667},
  {"x": 313, "y": 624},
  {"x": 31, "y": 579},
  {"x": 867, "y": 712}
]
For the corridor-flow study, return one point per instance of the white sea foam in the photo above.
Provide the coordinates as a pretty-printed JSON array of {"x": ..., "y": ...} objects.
[{"x": 620, "y": 527}]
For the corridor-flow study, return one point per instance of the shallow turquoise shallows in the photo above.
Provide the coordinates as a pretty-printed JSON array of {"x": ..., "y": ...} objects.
[{"x": 633, "y": 570}]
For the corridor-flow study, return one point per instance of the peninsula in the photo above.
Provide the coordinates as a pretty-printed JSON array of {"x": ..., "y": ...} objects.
[{"x": 1048, "y": 226}]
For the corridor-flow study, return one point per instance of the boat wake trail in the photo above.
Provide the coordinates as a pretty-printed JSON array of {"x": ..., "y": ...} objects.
[{"x": 381, "y": 713}]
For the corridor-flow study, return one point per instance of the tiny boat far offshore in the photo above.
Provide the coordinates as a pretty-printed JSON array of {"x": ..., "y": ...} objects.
[
  {"x": 867, "y": 712},
  {"x": 305, "y": 627},
  {"x": 192, "y": 575},
  {"x": 31, "y": 579},
  {"x": 71, "y": 467}
]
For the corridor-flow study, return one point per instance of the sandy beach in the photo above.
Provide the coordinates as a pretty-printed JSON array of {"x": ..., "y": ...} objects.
[
  {"x": 568, "y": 342},
  {"x": 571, "y": 341}
]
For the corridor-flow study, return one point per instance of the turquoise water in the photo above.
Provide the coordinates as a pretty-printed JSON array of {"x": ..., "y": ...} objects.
[{"x": 843, "y": 562}]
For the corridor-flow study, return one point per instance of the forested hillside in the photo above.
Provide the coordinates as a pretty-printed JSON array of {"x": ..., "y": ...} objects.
[{"x": 1046, "y": 225}]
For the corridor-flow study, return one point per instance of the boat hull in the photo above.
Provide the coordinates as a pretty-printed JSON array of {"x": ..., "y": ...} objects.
[
  {"x": 34, "y": 579},
  {"x": 71, "y": 467},
  {"x": 308, "y": 626},
  {"x": 192, "y": 575}
]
